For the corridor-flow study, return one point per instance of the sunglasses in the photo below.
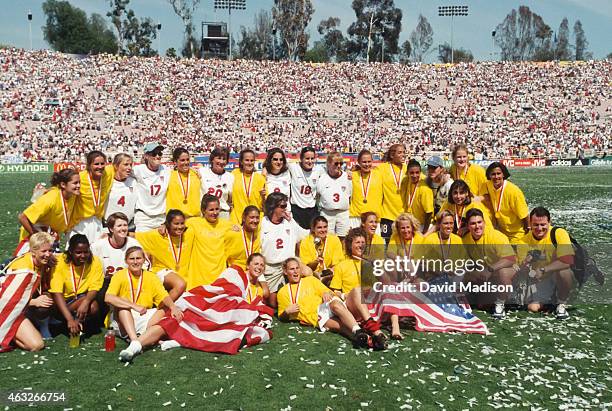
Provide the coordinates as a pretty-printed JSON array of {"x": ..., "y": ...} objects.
[
  {"x": 282, "y": 205},
  {"x": 338, "y": 163},
  {"x": 156, "y": 154},
  {"x": 278, "y": 159}
]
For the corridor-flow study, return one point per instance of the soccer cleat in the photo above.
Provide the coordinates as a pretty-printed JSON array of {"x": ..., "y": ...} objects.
[
  {"x": 379, "y": 342},
  {"x": 499, "y": 311},
  {"x": 361, "y": 339},
  {"x": 561, "y": 312}
]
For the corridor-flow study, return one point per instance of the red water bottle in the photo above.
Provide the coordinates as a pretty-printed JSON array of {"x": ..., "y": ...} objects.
[{"x": 109, "y": 341}]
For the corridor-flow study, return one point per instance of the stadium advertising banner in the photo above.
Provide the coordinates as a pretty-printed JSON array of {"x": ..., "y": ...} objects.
[
  {"x": 524, "y": 162},
  {"x": 568, "y": 162},
  {"x": 26, "y": 168},
  {"x": 602, "y": 162}
]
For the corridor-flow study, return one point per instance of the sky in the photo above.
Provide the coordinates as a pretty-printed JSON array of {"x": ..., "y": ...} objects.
[{"x": 472, "y": 32}]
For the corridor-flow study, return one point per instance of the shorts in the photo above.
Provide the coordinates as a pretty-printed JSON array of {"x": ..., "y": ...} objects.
[
  {"x": 145, "y": 222},
  {"x": 140, "y": 322},
  {"x": 544, "y": 291},
  {"x": 355, "y": 222},
  {"x": 337, "y": 221},
  {"x": 274, "y": 276},
  {"x": 304, "y": 216},
  {"x": 386, "y": 228},
  {"x": 161, "y": 274},
  {"x": 325, "y": 313},
  {"x": 90, "y": 227},
  {"x": 224, "y": 215}
]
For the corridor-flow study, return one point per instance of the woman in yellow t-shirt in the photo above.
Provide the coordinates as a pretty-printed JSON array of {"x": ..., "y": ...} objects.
[
  {"x": 75, "y": 281},
  {"x": 460, "y": 201},
  {"x": 134, "y": 292},
  {"x": 321, "y": 251},
  {"x": 375, "y": 244},
  {"x": 27, "y": 337},
  {"x": 367, "y": 189},
  {"x": 257, "y": 287},
  {"x": 53, "y": 210},
  {"x": 249, "y": 186},
  {"x": 241, "y": 244},
  {"x": 462, "y": 169},
  {"x": 184, "y": 186},
  {"x": 406, "y": 237}
]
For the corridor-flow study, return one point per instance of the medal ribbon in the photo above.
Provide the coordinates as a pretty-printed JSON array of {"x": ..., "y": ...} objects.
[
  {"x": 323, "y": 252},
  {"x": 175, "y": 255},
  {"x": 500, "y": 197},
  {"x": 136, "y": 296},
  {"x": 65, "y": 209},
  {"x": 464, "y": 174},
  {"x": 409, "y": 252},
  {"x": 458, "y": 216},
  {"x": 184, "y": 187},
  {"x": 365, "y": 188},
  {"x": 412, "y": 195},
  {"x": 247, "y": 190},
  {"x": 396, "y": 178},
  {"x": 294, "y": 300},
  {"x": 249, "y": 296},
  {"x": 75, "y": 284},
  {"x": 248, "y": 251},
  {"x": 96, "y": 197}
]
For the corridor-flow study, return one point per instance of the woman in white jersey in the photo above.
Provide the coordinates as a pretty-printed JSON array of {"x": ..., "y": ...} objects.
[
  {"x": 304, "y": 177},
  {"x": 122, "y": 197},
  {"x": 152, "y": 180},
  {"x": 278, "y": 178},
  {"x": 217, "y": 181}
]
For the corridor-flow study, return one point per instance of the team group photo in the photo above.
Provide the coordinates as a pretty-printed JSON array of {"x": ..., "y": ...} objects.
[{"x": 263, "y": 220}]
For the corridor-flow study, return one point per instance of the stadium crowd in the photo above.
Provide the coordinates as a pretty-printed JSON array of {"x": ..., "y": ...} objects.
[
  {"x": 56, "y": 107},
  {"x": 201, "y": 258}
]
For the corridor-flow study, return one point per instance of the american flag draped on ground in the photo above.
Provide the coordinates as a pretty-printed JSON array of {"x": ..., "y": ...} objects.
[
  {"x": 432, "y": 311},
  {"x": 15, "y": 292},
  {"x": 217, "y": 317}
]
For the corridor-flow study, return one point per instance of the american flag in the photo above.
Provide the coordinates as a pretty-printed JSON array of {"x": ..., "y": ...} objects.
[
  {"x": 16, "y": 289},
  {"x": 432, "y": 311},
  {"x": 217, "y": 317}
]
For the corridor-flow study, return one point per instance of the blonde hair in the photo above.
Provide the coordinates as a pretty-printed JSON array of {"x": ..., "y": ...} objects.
[
  {"x": 442, "y": 214},
  {"x": 416, "y": 226},
  {"x": 39, "y": 239},
  {"x": 120, "y": 157}
]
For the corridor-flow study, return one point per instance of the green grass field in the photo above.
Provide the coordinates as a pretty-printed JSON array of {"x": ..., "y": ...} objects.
[{"x": 529, "y": 361}]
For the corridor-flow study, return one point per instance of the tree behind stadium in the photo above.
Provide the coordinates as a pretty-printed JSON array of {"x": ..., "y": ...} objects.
[
  {"x": 460, "y": 55},
  {"x": 523, "y": 36},
  {"x": 185, "y": 9},
  {"x": 292, "y": 18},
  {"x": 376, "y": 20},
  {"x": 256, "y": 42},
  {"x": 135, "y": 36},
  {"x": 68, "y": 30},
  {"x": 421, "y": 38}
]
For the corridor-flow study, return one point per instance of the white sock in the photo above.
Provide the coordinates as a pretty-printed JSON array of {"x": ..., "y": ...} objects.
[
  {"x": 355, "y": 328},
  {"x": 135, "y": 347},
  {"x": 169, "y": 344}
]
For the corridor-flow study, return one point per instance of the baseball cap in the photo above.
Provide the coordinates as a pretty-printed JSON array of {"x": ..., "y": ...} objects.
[
  {"x": 435, "y": 161},
  {"x": 152, "y": 146}
]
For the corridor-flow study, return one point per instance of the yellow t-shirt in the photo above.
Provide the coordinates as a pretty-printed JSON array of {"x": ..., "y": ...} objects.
[
  {"x": 48, "y": 210},
  {"x": 491, "y": 247},
  {"x": 162, "y": 257},
  {"x": 397, "y": 247},
  {"x": 175, "y": 198},
  {"x": 253, "y": 291},
  {"x": 85, "y": 205},
  {"x": 239, "y": 196},
  {"x": 208, "y": 257},
  {"x": 512, "y": 211},
  {"x": 332, "y": 251},
  {"x": 375, "y": 249},
  {"x": 374, "y": 193},
  {"x": 152, "y": 291},
  {"x": 392, "y": 177},
  {"x": 417, "y": 201},
  {"x": 436, "y": 249},
  {"x": 25, "y": 262},
  {"x": 235, "y": 248},
  {"x": 87, "y": 278},
  {"x": 347, "y": 275},
  {"x": 474, "y": 178},
  {"x": 309, "y": 297},
  {"x": 548, "y": 251},
  {"x": 462, "y": 211}
]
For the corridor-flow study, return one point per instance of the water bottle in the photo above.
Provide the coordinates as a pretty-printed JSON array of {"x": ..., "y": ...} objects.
[{"x": 109, "y": 341}]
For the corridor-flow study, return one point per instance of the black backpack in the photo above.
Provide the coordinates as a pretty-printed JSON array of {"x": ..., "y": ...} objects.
[{"x": 584, "y": 266}]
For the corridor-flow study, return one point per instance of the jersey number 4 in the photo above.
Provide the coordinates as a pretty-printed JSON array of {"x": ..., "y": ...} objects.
[{"x": 121, "y": 201}]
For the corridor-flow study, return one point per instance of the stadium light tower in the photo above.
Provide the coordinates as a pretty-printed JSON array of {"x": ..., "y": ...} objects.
[
  {"x": 159, "y": 26},
  {"x": 230, "y": 5},
  {"x": 452, "y": 11},
  {"x": 30, "y": 24}
]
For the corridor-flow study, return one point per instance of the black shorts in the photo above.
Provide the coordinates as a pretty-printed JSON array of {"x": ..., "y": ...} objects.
[
  {"x": 386, "y": 228},
  {"x": 304, "y": 216}
]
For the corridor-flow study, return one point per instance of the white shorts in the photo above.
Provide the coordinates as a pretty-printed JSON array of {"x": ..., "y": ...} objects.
[
  {"x": 145, "y": 222},
  {"x": 140, "y": 321},
  {"x": 161, "y": 274},
  {"x": 274, "y": 276},
  {"x": 338, "y": 222},
  {"x": 355, "y": 222},
  {"x": 90, "y": 227},
  {"x": 325, "y": 313}
]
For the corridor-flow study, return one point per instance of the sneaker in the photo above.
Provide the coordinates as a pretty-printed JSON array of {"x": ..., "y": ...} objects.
[
  {"x": 561, "y": 312},
  {"x": 126, "y": 355},
  {"x": 379, "y": 342},
  {"x": 361, "y": 339},
  {"x": 499, "y": 311}
]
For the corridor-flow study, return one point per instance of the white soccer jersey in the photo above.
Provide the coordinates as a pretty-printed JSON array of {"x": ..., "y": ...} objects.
[
  {"x": 334, "y": 193},
  {"x": 122, "y": 198},
  {"x": 303, "y": 185},
  {"x": 151, "y": 188},
  {"x": 113, "y": 259},
  {"x": 278, "y": 241},
  {"x": 220, "y": 186},
  {"x": 280, "y": 183}
]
